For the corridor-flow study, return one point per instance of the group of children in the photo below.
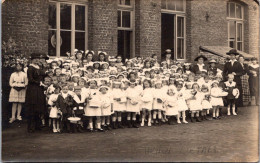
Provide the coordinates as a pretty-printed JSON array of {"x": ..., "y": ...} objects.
[{"x": 98, "y": 96}]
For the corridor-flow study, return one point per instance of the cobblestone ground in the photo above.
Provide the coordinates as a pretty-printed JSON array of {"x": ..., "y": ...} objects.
[{"x": 233, "y": 138}]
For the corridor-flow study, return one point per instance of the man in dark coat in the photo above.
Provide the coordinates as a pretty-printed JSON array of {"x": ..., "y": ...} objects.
[
  {"x": 234, "y": 67},
  {"x": 35, "y": 101},
  {"x": 200, "y": 66},
  {"x": 168, "y": 57}
]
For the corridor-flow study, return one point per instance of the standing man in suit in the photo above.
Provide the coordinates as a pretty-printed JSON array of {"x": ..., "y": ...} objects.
[
  {"x": 200, "y": 66},
  {"x": 234, "y": 67}
]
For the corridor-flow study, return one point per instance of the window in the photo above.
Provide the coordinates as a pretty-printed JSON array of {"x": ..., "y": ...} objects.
[
  {"x": 125, "y": 24},
  {"x": 235, "y": 15},
  {"x": 175, "y": 5},
  {"x": 69, "y": 22}
]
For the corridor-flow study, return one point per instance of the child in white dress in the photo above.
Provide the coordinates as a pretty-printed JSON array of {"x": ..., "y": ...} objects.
[
  {"x": 206, "y": 105},
  {"x": 181, "y": 102},
  {"x": 195, "y": 103},
  {"x": 147, "y": 101},
  {"x": 159, "y": 95},
  {"x": 106, "y": 107},
  {"x": 18, "y": 82},
  {"x": 133, "y": 103},
  {"x": 171, "y": 106},
  {"x": 54, "y": 110},
  {"x": 216, "y": 99},
  {"x": 119, "y": 104}
]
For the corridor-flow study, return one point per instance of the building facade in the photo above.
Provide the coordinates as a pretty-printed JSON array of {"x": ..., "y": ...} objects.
[{"x": 131, "y": 27}]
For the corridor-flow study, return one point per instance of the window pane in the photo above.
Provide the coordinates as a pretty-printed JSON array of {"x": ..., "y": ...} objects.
[
  {"x": 227, "y": 9},
  {"x": 232, "y": 10},
  {"x": 239, "y": 32},
  {"x": 65, "y": 42},
  {"x": 120, "y": 2},
  {"x": 180, "y": 48},
  {"x": 163, "y": 4},
  {"x": 171, "y": 5},
  {"x": 119, "y": 18},
  {"x": 127, "y": 2},
  {"x": 52, "y": 16},
  {"x": 231, "y": 44},
  {"x": 52, "y": 43},
  {"x": 179, "y": 5},
  {"x": 232, "y": 30},
  {"x": 126, "y": 18},
  {"x": 80, "y": 18},
  {"x": 65, "y": 16},
  {"x": 239, "y": 46},
  {"x": 80, "y": 40},
  {"x": 180, "y": 27},
  {"x": 238, "y": 11}
]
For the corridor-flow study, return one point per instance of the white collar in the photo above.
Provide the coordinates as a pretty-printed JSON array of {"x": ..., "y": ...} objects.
[
  {"x": 233, "y": 60},
  {"x": 64, "y": 95},
  {"x": 35, "y": 66},
  {"x": 254, "y": 66}
]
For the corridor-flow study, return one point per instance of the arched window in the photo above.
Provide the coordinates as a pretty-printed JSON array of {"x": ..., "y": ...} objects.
[{"x": 235, "y": 18}]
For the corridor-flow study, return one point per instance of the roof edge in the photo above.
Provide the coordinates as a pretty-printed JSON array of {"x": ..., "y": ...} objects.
[{"x": 257, "y": 1}]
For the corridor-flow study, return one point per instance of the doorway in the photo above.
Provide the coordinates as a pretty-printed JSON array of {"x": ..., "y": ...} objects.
[{"x": 168, "y": 34}]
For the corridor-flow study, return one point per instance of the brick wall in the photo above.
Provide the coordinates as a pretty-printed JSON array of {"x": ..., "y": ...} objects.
[
  {"x": 105, "y": 26},
  {"x": 205, "y": 33},
  {"x": 26, "y": 21},
  {"x": 148, "y": 27}
]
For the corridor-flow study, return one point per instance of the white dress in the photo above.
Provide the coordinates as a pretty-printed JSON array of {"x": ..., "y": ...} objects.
[
  {"x": 18, "y": 79},
  {"x": 147, "y": 99},
  {"x": 119, "y": 106},
  {"x": 93, "y": 107},
  {"x": 106, "y": 101},
  {"x": 159, "y": 94},
  {"x": 181, "y": 100},
  {"x": 205, "y": 102},
  {"x": 216, "y": 101},
  {"x": 133, "y": 100},
  {"x": 196, "y": 104},
  {"x": 54, "y": 110},
  {"x": 171, "y": 105}
]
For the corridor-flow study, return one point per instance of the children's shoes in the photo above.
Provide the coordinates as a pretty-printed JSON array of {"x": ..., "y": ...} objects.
[
  {"x": 12, "y": 120},
  {"x": 19, "y": 118}
]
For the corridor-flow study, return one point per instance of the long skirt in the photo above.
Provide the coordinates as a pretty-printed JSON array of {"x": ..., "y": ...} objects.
[{"x": 245, "y": 88}]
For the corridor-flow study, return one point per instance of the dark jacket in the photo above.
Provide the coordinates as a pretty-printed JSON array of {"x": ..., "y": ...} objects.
[{"x": 196, "y": 70}]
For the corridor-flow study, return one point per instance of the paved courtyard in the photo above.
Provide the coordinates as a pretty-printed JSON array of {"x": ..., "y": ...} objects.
[{"x": 233, "y": 138}]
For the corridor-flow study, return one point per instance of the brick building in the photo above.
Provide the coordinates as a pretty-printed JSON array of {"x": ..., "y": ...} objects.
[{"x": 131, "y": 27}]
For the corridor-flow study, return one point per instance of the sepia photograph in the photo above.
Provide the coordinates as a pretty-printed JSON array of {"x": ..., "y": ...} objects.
[{"x": 130, "y": 80}]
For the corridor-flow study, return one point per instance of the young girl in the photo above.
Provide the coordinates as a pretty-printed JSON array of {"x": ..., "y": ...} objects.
[
  {"x": 216, "y": 99},
  {"x": 106, "y": 107},
  {"x": 93, "y": 108},
  {"x": 205, "y": 102},
  {"x": 195, "y": 103},
  {"x": 133, "y": 103},
  {"x": 54, "y": 110},
  {"x": 119, "y": 103},
  {"x": 170, "y": 105},
  {"x": 147, "y": 101},
  {"x": 233, "y": 94},
  {"x": 159, "y": 97},
  {"x": 18, "y": 82},
  {"x": 181, "y": 102}
]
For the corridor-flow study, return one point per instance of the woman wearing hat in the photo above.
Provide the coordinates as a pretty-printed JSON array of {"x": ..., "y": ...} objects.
[
  {"x": 200, "y": 66},
  {"x": 235, "y": 68},
  {"x": 254, "y": 79},
  {"x": 35, "y": 99},
  {"x": 213, "y": 67}
]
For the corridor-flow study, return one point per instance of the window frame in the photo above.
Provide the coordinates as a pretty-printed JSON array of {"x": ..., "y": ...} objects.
[
  {"x": 237, "y": 21},
  {"x": 130, "y": 8},
  {"x": 73, "y": 21},
  {"x": 174, "y": 11}
]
